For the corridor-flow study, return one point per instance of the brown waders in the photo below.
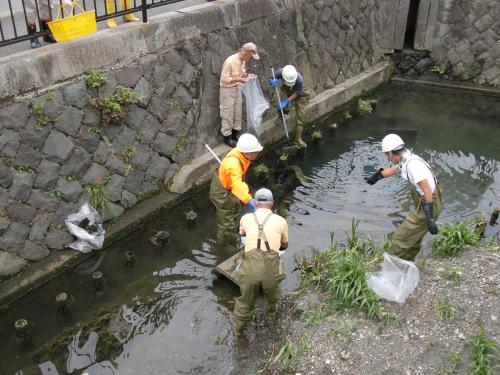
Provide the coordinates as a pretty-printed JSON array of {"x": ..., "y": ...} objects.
[
  {"x": 259, "y": 269},
  {"x": 300, "y": 105},
  {"x": 406, "y": 240},
  {"x": 227, "y": 211}
]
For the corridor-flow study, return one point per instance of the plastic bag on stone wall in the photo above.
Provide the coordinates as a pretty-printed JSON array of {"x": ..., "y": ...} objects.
[
  {"x": 86, "y": 225},
  {"x": 397, "y": 279},
  {"x": 256, "y": 105}
]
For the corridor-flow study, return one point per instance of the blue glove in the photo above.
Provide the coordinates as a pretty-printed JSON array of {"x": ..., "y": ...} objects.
[
  {"x": 273, "y": 82},
  {"x": 284, "y": 103},
  {"x": 252, "y": 206}
]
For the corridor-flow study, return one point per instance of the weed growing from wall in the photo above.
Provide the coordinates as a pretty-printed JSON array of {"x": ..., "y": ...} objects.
[
  {"x": 114, "y": 107},
  {"x": 95, "y": 79}
]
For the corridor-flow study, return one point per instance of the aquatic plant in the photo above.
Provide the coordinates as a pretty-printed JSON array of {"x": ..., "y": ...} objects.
[
  {"x": 261, "y": 172},
  {"x": 453, "y": 237},
  {"x": 316, "y": 136},
  {"x": 365, "y": 107},
  {"x": 347, "y": 116}
]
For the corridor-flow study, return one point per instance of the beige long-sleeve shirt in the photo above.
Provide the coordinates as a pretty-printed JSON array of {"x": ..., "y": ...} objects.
[{"x": 233, "y": 67}]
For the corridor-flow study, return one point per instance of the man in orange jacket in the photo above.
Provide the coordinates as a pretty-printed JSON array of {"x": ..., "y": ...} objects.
[{"x": 228, "y": 188}]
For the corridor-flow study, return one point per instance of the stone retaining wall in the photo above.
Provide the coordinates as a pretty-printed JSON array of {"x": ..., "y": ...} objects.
[{"x": 55, "y": 146}]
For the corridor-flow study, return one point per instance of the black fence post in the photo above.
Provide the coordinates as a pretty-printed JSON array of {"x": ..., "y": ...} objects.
[{"x": 144, "y": 12}]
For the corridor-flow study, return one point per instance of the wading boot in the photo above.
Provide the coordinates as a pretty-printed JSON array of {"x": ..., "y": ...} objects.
[
  {"x": 228, "y": 140},
  {"x": 298, "y": 137},
  {"x": 35, "y": 43},
  {"x": 235, "y": 134},
  {"x": 49, "y": 38},
  {"x": 240, "y": 327},
  {"x": 110, "y": 8},
  {"x": 127, "y": 4}
]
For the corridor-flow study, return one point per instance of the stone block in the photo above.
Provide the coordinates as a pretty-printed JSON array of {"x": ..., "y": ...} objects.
[
  {"x": 112, "y": 211},
  {"x": 6, "y": 175},
  {"x": 149, "y": 128},
  {"x": 484, "y": 22},
  {"x": 88, "y": 139},
  {"x": 22, "y": 185},
  {"x": 191, "y": 53},
  {"x": 148, "y": 63},
  {"x": 43, "y": 201},
  {"x": 77, "y": 164},
  {"x": 168, "y": 86},
  {"x": 117, "y": 165},
  {"x": 174, "y": 60},
  {"x": 128, "y": 199},
  {"x": 160, "y": 75},
  {"x": 110, "y": 131},
  {"x": 110, "y": 85},
  {"x": 40, "y": 226},
  {"x": 10, "y": 141},
  {"x": 144, "y": 89},
  {"x": 58, "y": 147},
  {"x": 102, "y": 152},
  {"x": 129, "y": 76},
  {"x": 53, "y": 105},
  {"x": 10, "y": 264},
  {"x": 183, "y": 97},
  {"x": 95, "y": 175},
  {"x": 4, "y": 197},
  {"x": 71, "y": 190},
  {"x": 134, "y": 181},
  {"x": 33, "y": 252},
  {"x": 75, "y": 94},
  {"x": 34, "y": 135},
  {"x": 4, "y": 224},
  {"x": 28, "y": 156},
  {"x": 21, "y": 212},
  {"x": 69, "y": 121},
  {"x": 135, "y": 117},
  {"x": 186, "y": 77},
  {"x": 158, "y": 167},
  {"x": 141, "y": 157},
  {"x": 114, "y": 188},
  {"x": 174, "y": 122},
  {"x": 165, "y": 144},
  {"x": 14, "y": 116},
  {"x": 48, "y": 175},
  {"x": 58, "y": 239},
  {"x": 91, "y": 116},
  {"x": 159, "y": 107},
  {"x": 125, "y": 139},
  {"x": 13, "y": 238}
]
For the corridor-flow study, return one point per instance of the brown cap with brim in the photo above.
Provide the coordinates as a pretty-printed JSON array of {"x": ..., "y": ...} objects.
[{"x": 252, "y": 49}]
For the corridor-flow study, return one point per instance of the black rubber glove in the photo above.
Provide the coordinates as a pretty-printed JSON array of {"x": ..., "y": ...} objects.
[
  {"x": 375, "y": 177},
  {"x": 429, "y": 215}
]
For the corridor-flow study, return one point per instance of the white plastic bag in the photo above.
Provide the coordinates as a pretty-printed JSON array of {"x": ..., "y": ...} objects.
[
  {"x": 397, "y": 279},
  {"x": 87, "y": 241},
  {"x": 256, "y": 105}
]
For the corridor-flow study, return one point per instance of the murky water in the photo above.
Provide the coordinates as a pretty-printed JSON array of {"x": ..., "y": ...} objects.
[{"x": 167, "y": 312}]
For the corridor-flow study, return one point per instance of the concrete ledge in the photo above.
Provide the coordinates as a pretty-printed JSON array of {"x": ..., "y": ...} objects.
[
  {"x": 44, "y": 67},
  {"x": 189, "y": 179},
  {"x": 452, "y": 85}
]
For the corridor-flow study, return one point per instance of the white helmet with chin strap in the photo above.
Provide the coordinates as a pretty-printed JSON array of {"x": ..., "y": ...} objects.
[
  {"x": 248, "y": 143},
  {"x": 392, "y": 142},
  {"x": 289, "y": 75}
]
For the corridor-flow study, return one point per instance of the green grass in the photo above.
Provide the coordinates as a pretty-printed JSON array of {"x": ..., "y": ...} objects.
[
  {"x": 484, "y": 350},
  {"x": 453, "y": 365},
  {"x": 341, "y": 274},
  {"x": 453, "y": 237},
  {"x": 288, "y": 355},
  {"x": 314, "y": 314},
  {"x": 95, "y": 79},
  {"x": 452, "y": 273},
  {"x": 447, "y": 311},
  {"x": 344, "y": 329},
  {"x": 98, "y": 196},
  {"x": 365, "y": 107}
]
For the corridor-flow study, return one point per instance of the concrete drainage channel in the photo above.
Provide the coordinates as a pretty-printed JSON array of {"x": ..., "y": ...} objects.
[{"x": 190, "y": 179}]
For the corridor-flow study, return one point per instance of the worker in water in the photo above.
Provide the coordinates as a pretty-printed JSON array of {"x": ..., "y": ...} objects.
[
  {"x": 124, "y": 4},
  {"x": 266, "y": 233},
  {"x": 294, "y": 94},
  {"x": 233, "y": 75},
  {"x": 406, "y": 241},
  {"x": 228, "y": 187}
]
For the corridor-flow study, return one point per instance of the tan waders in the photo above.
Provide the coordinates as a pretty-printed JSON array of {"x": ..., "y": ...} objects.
[
  {"x": 406, "y": 240},
  {"x": 227, "y": 211},
  {"x": 300, "y": 105},
  {"x": 260, "y": 269}
]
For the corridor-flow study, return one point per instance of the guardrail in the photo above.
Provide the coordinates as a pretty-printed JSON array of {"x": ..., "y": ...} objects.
[{"x": 22, "y": 20}]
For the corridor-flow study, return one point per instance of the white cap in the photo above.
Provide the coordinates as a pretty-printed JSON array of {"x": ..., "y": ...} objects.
[
  {"x": 392, "y": 142},
  {"x": 264, "y": 196},
  {"x": 289, "y": 74},
  {"x": 248, "y": 143},
  {"x": 252, "y": 49}
]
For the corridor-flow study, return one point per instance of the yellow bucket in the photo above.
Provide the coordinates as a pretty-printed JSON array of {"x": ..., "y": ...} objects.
[{"x": 73, "y": 26}]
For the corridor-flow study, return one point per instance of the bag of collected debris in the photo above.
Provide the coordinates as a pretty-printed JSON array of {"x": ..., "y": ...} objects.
[
  {"x": 86, "y": 225},
  {"x": 397, "y": 279},
  {"x": 256, "y": 105}
]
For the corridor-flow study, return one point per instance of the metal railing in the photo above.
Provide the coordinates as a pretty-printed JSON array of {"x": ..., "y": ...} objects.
[{"x": 22, "y": 20}]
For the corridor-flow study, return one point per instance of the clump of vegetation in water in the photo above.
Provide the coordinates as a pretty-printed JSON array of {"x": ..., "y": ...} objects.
[
  {"x": 365, "y": 107},
  {"x": 453, "y": 237},
  {"x": 261, "y": 172},
  {"x": 347, "y": 116},
  {"x": 316, "y": 136},
  {"x": 333, "y": 127},
  {"x": 283, "y": 161},
  {"x": 341, "y": 274},
  {"x": 191, "y": 217},
  {"x": 160, "y": 238}
]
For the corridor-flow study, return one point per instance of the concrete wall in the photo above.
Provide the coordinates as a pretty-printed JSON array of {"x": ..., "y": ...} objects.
[
  {"x": 174, "y": 63},
  {"x": 467, "y": 39}
]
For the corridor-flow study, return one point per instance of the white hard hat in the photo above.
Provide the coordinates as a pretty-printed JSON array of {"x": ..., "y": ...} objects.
[
  {"x": 289, "y": 74},
  {"x": 392, "y": 142},
  {"x": 264, "y": 195},
  {"x": 248, "y": 143}
]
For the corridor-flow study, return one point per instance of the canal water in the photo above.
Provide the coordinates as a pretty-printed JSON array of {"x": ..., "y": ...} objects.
[{"x": 168, "y": 314}]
